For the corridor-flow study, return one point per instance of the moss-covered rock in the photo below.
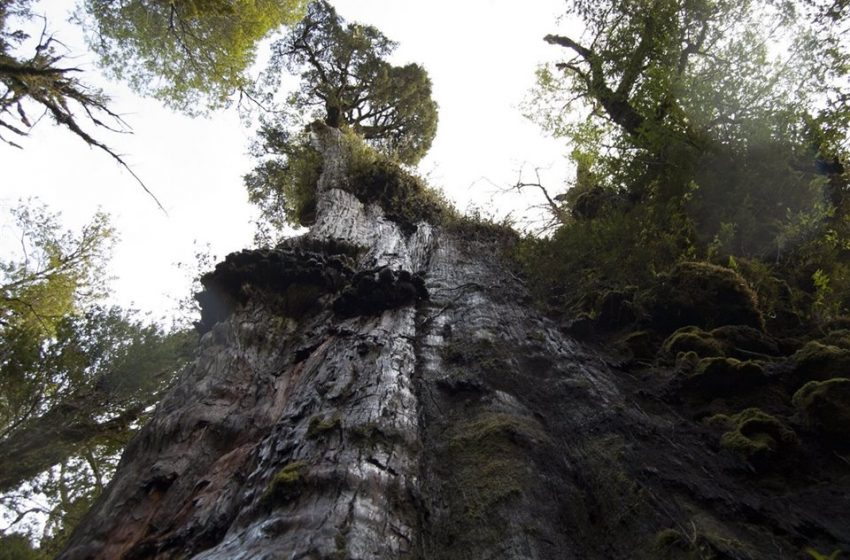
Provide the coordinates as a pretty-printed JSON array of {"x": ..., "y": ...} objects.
[
  {"x": 824, "y": 406},
  {"x": 705, "y": 295},
  {"x": 687, "y": 361},
  {"x": 741, "y": 341},
  {"x": 641, "y": 344},
  {"x": 839, "y": 338},
  {"x": 817, "y": 361},
  {"x": 754, "y": 435},
  {"x": 692, "y": 339},
  {"x": 723, "y": 377}
]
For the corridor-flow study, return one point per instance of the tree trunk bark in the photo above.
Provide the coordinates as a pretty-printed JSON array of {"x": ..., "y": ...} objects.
[{"x": 462, "y": 425}]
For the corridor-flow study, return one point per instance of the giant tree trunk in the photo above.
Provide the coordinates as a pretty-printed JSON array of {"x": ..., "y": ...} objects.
[{"x": 370, "y": 392}]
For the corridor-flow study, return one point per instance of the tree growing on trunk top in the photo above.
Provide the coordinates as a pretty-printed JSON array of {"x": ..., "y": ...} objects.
[{"x": 345, "y": 80}]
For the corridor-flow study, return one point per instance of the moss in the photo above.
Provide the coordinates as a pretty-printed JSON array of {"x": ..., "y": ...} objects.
[
  {"x": 286, "y": 484},
  {"x": 404, "y": 198},
  {"x": 692, "y": 339},
  {"x": 839, "y": 338},
  {"x": 488, "y": 457},
  {"x": 817, "y": 362},
  {"x": 723, "y": 377},
  {"x": 824, "y": 406},
  {"x": 753, "y": 434},
  {"x": 373, "y": 433},
  {"x": 741, "y": 340},
  {"x": 319, "y": 425},
  {"x": 687, "y": 361},
  {"x": 479, "y": 354},
  {"x": 705, "y": 295},
  {"x": 669, "y": 538},
  {"x": 706, "y": 539},
  {"x": 641, "y": 344}
]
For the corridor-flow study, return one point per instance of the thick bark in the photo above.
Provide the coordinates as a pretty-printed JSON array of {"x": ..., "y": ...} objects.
[{"x": 464, "y": 425}]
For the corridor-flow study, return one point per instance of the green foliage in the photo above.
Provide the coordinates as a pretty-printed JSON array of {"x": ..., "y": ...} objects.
[
  {"x": 191, "y": 54},
  {"x": 16, "y": 546},
  {"x": 346, "y": 80},
  {"x": 76, "y": 379},
  {"x": 613, "y": 251},
  {"x": 283, "y": 184},
  {"x": 374, "y": 177},
  {"x": 693, "y": 141}
]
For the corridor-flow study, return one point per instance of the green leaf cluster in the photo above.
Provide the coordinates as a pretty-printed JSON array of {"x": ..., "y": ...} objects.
[
  {"x": 346, "y": 80},
  {"x": 283, "y": 183},
  {"x": 700, "y": 129},
  {"x": 190, "y": 54},
  {"x": 76, "y": 378}
]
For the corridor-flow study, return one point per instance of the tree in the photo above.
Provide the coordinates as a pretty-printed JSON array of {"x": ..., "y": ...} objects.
[
  {"x": 346, "y": 81},
  {"x": 693, "y": 130},
  {"x": 42, "y": 80},
  {"x": 191, "y": 54},
  {"x": 76, "y": 378},
  {"x": 335, "y": 412}
]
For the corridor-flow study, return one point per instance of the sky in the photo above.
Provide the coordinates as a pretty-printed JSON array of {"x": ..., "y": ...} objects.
[{"x": 480, "y": 54}]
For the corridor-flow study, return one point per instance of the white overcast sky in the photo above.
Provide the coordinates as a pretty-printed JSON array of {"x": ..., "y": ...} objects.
[{"x": 481, "y": 56}]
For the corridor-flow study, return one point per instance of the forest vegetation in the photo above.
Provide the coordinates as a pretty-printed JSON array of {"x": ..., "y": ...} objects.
[{"x": 708, "y": 223}]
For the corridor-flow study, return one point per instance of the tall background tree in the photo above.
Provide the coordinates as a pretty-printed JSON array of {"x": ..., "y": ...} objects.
[
  {"x": 76, "y": 378},
  {"x": 346, "y": 81},
  {"x": 701, "y": 130},
  {"x": 191, "y": 54}
]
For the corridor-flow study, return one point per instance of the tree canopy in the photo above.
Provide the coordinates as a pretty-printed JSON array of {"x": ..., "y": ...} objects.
[
  {"x": 42, "y": 81},
  {"x": 701, "y": 129},
  {"x": 76, "y": 378},
  {"x": 191, "y": 54},
  {"x": 346, "y": 80}
]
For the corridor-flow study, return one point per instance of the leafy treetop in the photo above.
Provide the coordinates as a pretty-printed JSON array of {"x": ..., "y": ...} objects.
[
  {"x": 346, "y": 80},
  {"x": 701, "y": 129},
  {"x": 191, "y": 54}
]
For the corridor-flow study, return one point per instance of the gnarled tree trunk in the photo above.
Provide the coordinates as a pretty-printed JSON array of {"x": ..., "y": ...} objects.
[{"x": 367, "y": 392}]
